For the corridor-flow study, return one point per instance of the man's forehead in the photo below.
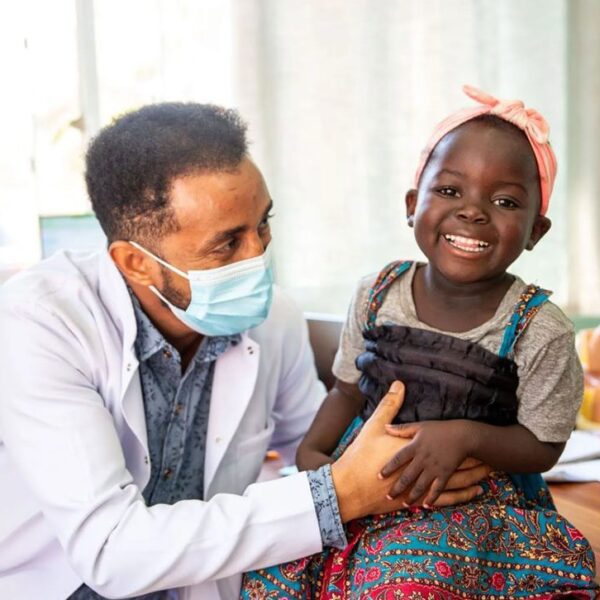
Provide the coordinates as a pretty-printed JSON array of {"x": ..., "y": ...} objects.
[
  {"x": 212, "y": 206},
  {"x": 217, "y": 189}
]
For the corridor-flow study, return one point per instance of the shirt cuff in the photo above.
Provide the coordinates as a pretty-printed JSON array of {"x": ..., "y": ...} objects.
[{"x": 326, "y": 507}]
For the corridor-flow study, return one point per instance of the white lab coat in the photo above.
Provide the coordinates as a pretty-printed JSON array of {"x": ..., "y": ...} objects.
[{"x": 74, "y": 453}]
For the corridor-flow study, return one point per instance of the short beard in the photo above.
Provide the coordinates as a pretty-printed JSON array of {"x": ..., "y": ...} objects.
[{"x": 170, "y": 292}]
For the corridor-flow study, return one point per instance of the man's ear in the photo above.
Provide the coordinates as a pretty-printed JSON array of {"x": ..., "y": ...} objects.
[
  {"x": 134, "y": 265},
  {"x": 540, "y": 228},
  {"x": 411, "y": 205}
]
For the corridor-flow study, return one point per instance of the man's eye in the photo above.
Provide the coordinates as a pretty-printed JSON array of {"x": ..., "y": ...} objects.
[
  {"x": 265, "y": 222},
  {"x": 505, "y": 203},
  {"x": 228, "y": 246}
]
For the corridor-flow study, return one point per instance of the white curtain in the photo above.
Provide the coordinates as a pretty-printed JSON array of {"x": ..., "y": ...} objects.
[
  {"x": 342, "y": 95},
  {"x": 582, "y": 198}
]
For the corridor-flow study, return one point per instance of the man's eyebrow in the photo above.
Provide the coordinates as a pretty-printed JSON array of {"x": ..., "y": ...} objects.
[{"x": 223, "y": 236}]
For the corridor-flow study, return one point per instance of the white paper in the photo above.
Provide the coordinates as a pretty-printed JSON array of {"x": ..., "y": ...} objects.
[
  {"x": 587, "y": 470},
  {"x": 582, "y": 445},
  {"x": 580, "y": 460}
]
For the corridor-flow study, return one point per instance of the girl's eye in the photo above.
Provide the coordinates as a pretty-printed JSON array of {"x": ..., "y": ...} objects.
[
  {"x": 448, "y": 191},
  {"x": 505, "y": 203}
]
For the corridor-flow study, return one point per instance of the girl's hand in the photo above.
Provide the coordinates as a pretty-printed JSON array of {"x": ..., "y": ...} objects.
[{"x": 436, "y": 451}]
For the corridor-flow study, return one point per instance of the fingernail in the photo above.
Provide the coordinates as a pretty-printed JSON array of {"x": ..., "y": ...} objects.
[
  {"x": 406, "y": 505},
  {"x": 425, "y": 505},
  {"x": 396, "y": 387},
  {"x": 380, "y": 476},
  {"x": 388, "y": 497},
  {"x": 479, "y": 491}
]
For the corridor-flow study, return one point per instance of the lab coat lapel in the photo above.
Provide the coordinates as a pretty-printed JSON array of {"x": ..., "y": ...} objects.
[
  {"x": 115, "y": 297},
  {"x": 233, "y": 384}
]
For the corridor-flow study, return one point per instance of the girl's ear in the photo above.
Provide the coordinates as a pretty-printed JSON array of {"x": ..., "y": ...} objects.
[
  {"x": 538, "y": 231},
  {"x": 411, "y": 205}
]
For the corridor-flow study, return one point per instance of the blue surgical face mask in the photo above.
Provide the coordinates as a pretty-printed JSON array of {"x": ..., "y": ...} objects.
[{"x": 226, "y": 300}]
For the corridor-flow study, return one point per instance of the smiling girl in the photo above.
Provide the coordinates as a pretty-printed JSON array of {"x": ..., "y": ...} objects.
[{"x": 490, "y": 374}]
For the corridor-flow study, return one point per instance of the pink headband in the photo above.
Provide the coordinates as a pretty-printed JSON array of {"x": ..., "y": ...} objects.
[{"x": 514, "y": 111}]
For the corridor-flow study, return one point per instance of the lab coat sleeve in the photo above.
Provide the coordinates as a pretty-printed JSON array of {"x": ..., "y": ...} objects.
[
  {"x": 62, "y": 439},
  {"x": 300, "y": 393}
]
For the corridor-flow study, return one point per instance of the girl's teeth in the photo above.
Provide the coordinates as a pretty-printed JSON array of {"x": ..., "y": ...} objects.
[{"x": 466, "y": 244}]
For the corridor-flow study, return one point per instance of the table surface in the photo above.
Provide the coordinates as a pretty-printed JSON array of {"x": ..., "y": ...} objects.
[{"x": 580, "y": 504}]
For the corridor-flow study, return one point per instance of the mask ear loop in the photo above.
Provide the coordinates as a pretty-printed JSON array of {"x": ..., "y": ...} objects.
[
  {"x": 160, "y": 260},
  {"x": 157, "y": 293}
]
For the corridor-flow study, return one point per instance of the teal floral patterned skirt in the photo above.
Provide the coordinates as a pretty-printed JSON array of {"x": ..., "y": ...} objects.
[{"x": 508, "y": 543}]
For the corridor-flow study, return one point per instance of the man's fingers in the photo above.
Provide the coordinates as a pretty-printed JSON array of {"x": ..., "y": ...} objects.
[
  {"x": 468, "y": 477},
  {"x": 469, "y": 463},
  {"x": 449, "y": 498},
  {"x": 405, "y": 430},
  {"x": 389, "y": 406}
]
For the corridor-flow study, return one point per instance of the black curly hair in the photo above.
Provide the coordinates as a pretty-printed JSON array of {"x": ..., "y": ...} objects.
[{"x": 131, "y": 163}]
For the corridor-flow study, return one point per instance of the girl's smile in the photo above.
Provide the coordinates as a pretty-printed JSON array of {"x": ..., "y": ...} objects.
[{"x": 466, "y": 244}]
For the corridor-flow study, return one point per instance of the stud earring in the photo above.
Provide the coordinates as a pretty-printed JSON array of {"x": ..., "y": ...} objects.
[{"x": 410, "y": 220}]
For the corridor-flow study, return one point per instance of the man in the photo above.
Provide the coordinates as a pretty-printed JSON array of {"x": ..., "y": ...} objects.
[{"x": 141, "y": 386}]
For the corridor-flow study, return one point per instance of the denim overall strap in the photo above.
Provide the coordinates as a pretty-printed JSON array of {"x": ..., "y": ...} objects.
[
  {"x": 386, "y": 277},
  {"x": 528, "y": 305}
]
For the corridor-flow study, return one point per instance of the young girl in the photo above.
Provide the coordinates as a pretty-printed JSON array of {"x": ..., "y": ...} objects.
[{"x": 490, "y": 373}]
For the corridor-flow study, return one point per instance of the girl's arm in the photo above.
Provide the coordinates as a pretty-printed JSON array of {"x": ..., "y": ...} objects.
[
  {"x": 438, "y": 447},
  {"x": 343, "y": 402},
  {"x": 513, "y": 449}
]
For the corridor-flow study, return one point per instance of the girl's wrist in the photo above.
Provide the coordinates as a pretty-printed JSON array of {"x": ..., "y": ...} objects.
[
  {"x": 471, "y": 437},
  {"x": 311, "y": 460}
]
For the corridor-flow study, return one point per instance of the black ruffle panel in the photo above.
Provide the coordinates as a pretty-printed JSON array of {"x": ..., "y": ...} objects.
[{"x": 445, "y": 377}]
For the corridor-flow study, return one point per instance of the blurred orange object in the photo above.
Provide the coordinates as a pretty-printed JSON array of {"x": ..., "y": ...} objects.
[
  {"x": 272, "y": 455},
  {"x": 588, "y": 347}
]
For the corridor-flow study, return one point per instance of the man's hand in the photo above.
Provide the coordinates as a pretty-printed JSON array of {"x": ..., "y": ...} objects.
[
  {"x": 360, "y": 489},
  {"x": 435, "y": 453}
]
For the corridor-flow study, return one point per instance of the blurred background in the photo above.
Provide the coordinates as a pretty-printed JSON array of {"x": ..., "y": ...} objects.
[{"x": 340, "y": 96}]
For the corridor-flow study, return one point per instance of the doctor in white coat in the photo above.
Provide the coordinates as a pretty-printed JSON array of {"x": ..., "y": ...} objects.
[{"x": 186, "y": 214}]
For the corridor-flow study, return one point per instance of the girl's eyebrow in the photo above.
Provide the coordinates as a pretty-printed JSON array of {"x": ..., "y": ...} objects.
[
  {"x": 515, "y": 183},
  {"x": 459, "y": 174},
  {"x": 451, "y": 172}
]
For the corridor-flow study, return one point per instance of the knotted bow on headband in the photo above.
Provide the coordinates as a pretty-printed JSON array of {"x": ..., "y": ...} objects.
[{"x": 527, "y": 119}]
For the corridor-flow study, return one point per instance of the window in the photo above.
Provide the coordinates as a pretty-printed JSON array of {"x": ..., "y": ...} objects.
[{"x": 339, "y": 96}]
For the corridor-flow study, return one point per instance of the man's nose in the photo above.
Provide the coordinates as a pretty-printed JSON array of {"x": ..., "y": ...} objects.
[{"x": 256, "y": 245}]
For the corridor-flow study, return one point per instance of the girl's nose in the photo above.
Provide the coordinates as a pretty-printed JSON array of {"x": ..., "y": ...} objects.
[{"x": 473, "y": 211}]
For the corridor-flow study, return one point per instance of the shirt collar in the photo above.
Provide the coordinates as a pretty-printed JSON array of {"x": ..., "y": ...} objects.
[{"x": 149, "y": 340}]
